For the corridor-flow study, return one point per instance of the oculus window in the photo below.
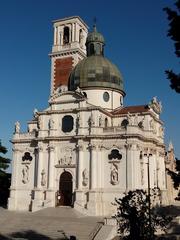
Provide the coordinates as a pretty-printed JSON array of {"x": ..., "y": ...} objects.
[
  {"x": 106, "y": 96},
  {"x": 67, "y": 123}
]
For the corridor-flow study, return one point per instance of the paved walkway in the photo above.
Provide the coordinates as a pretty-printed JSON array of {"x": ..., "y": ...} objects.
[{"x": 51, "y": 223}]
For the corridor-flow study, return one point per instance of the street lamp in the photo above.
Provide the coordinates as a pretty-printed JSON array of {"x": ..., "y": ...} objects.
[{"x": 149, "y": 194}]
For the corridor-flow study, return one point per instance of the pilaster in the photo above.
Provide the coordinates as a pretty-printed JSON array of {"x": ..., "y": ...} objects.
[
  {"x": 51, "y": 167},
  {"x": 93, "y": 168}
]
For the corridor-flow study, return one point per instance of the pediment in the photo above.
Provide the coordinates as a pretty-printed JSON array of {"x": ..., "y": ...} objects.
[{"x": 68, "y": 96}]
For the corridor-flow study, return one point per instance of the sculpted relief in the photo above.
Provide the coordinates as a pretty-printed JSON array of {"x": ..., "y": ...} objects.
[
  {"x": 66, "y": 158},
  {"x": 25, "y": 174},
  {"x": 85, "y": 177},
  {"x": 43, "y": 178},
  {"x": 114, "y": 174}
]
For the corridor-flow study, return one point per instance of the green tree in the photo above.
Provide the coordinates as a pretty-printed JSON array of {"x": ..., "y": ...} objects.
[
  {"x": 176, "y": 177},
  {"x": 5, "y": 178},
  {"x": 134, "y": 218},
  {"x": 4, "y": 162},
  {"x": 174, "y": 34}
]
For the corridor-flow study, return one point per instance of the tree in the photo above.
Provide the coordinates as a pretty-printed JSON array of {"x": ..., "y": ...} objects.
[
  {"x": 175, "y": 175},
  {"x": 4, "y": 162},
  {"x": 174, "y": 34},
  {"x": 5, "y": 178},
  {"x": 135, "y": 221}
]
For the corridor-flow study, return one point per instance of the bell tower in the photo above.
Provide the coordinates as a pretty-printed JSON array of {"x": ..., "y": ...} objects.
[{"x": 68, "y": 49}]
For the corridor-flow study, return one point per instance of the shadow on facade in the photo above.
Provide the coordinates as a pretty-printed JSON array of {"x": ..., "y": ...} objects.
[
  {"x": 173, "y": 229},
  {"x": 5, "y": 181},
  {"x": 32, "y": 235}
]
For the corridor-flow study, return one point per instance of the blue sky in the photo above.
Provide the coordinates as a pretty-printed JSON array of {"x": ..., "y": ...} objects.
[{"x": 135, "y": 33}]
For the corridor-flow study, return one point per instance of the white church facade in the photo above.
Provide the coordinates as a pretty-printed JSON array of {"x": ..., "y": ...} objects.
[{"x": 86, "y": 148}]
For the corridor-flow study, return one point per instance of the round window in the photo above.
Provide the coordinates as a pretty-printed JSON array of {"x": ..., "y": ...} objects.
[{"x": 106, "y": 96}]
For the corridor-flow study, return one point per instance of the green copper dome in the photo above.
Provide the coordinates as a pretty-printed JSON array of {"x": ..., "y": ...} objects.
[
  {"x": 95, "y": 36},
  {"x": 95, "y": 70}
]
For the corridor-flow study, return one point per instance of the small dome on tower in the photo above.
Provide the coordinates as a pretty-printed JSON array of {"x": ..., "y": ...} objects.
[
  {"x": 96, "y": 71},
  {"x": 95, "y": 36}
]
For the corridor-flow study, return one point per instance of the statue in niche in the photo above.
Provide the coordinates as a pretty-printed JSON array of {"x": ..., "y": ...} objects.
[
  {"x": 29, "y": 129},
  {"x": 154, "y": 99},
  {"x": 141, "y": 123},
  {"x": 78, "y": 90},
  {"x": 81, "y": 38},
  {"x": 151, "y": 124},
  {"x": 62, "y": 88},
  {"x": 43, "y": 178},
  {"x": 51, "y": 123},
  {"x": 161, "y": 131},
  {"x": 35, "y": 112},
  {"x": 114, "y": 175},
  {"x": 61, "y": 161},
  {"x": 129, "y": 118},
  {"x": 100, "y": 121},
  {"x": 91, "y": 121},
  {"x": 17, "y": 127},
  {"x": 78, "y": 121},
  {"x": 39, "y": 123},
  {"x": 85, "y": 177},
  {"x": 65, "y": 160},
  {"x": 70, "y": 160},
  {"x": 136, "y": 119},
  {"x": 25, "y": 174}
]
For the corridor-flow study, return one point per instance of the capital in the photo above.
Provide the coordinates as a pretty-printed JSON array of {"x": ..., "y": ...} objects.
[
  {"x": 16, "y": 149},
  {"x": 51, "y": 148},
  {"x": 80, "y": 147},
  {"x": 92, "y": 146}
]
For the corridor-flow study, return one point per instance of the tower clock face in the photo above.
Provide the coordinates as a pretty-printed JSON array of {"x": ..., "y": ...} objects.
[{"x": 106, "y": 96}]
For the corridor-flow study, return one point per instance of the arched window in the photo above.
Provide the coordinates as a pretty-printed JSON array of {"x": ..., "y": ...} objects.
[
  {"x": 66, "y": 35},
  {"x": 91, "y": 48},
  {"x": 98, "y": 49},
  {"x": 67, "y": 123},
  {"x": 124, "y": 123}
]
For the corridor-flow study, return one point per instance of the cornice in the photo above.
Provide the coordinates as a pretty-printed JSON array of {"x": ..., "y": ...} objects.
[{"x": 67, "y": 52}]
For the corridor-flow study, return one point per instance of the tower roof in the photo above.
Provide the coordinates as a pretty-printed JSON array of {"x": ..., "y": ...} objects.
[{"x": 95, "y": 36}]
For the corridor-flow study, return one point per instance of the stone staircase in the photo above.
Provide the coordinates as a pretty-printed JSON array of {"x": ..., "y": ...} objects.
[{"x": 50, "y": 223}]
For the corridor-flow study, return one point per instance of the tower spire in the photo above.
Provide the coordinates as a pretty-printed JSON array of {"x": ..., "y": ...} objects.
[
  {"x": 170, "y": 147},
  {"x": 94, "y": 25}
]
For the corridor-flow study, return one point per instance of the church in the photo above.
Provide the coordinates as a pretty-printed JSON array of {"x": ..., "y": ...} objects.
[{"x": 86, "y": 148}]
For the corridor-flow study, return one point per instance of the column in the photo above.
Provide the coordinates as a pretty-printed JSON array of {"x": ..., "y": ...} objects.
[
  {"x": 40, "y": 165},
  {"x": 99, "y": 167},
  {"x": 14, "y": 168},
  {"x": 55, "y": 38},
  {"x": 93, "y": 169},
  {"x": 80, "y": 165},
  {"x": 72, "y": 32},
  {"x": 51, "y": 167}
]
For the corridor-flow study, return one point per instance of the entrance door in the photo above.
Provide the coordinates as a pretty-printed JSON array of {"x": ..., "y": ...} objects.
[{"x": 65, "y": 189}]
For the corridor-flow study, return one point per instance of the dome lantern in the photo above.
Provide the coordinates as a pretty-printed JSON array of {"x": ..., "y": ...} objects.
[{"x": 95, "y": 43}]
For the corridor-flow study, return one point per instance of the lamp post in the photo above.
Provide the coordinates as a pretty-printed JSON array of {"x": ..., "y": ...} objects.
[{"x": 149, "y": 194}]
